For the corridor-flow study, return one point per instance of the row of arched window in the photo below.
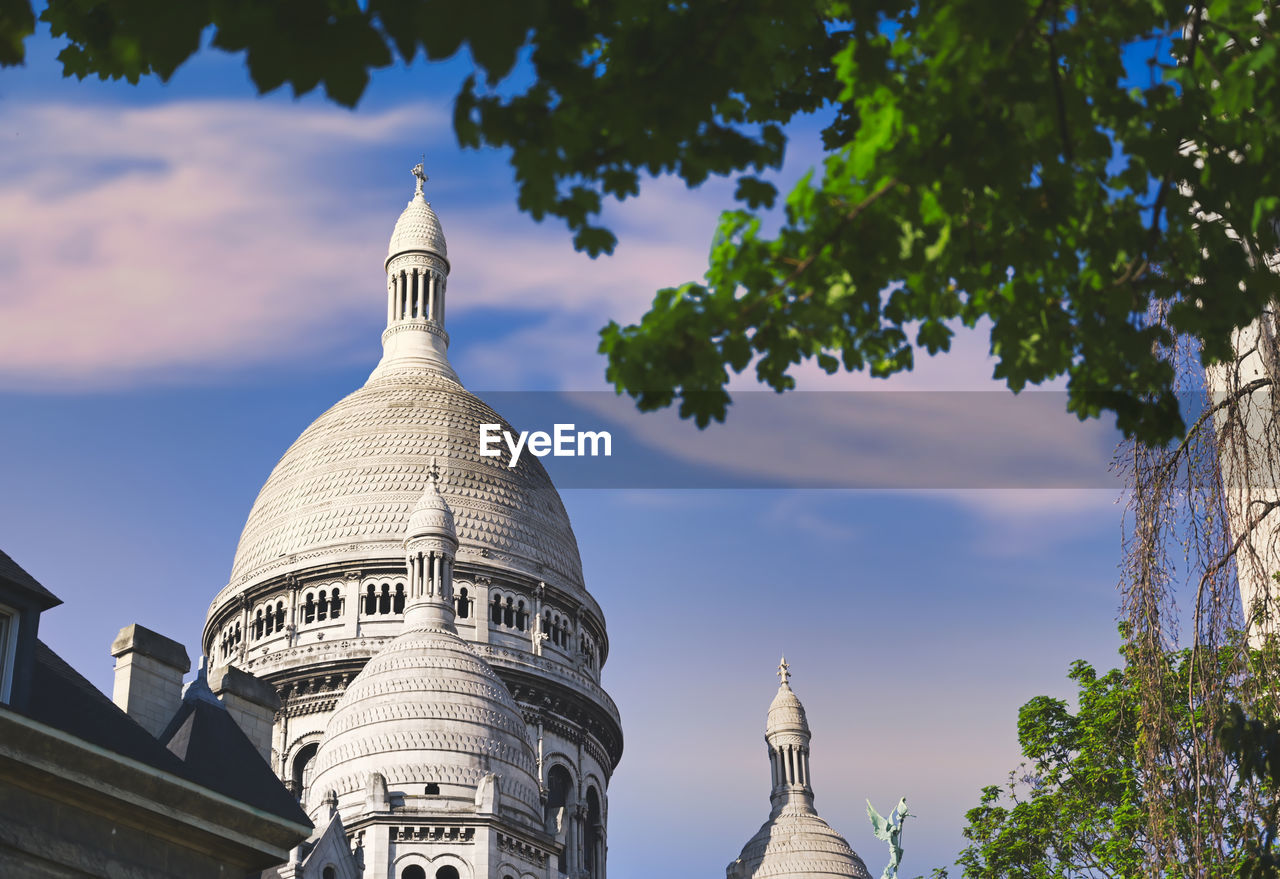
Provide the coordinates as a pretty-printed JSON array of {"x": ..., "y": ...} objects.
[
  {"x": 506, "y": 610},
  {"x": 509, "y": 612},
  {"x": 556, "y": 628},
  {"x": 415, "y": 871},
  {"x": 589, "y": 654},
  {"x": 231, "y": 637},
  {"x": 268, "y": 620},
  {"x": 324, "y": 605},
  {"x": 383, "y": 599}
]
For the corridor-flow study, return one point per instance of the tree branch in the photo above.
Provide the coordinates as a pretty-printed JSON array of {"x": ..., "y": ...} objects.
[{"x": 1063, "y": 129}]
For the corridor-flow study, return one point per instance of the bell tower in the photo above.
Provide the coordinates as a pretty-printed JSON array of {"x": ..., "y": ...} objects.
[{"x": 417, "y": 267}]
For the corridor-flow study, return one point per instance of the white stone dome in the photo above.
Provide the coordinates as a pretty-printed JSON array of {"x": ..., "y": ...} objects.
[
  {"x": 418, "y": 229},
  {"x": 426, "y": 710},
  {"x": 794, "y": 844},
  {"x": 344, "y": 491},
  {"x": 786, "y": 714}
]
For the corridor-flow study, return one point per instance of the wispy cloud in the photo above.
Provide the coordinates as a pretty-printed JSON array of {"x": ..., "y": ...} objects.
[
  {"x": 144, "y": 244},
  {"x": 137, "y": 241}
]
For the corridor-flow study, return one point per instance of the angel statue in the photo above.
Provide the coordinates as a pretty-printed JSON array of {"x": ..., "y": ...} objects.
[{"x": 890, "y": 830}]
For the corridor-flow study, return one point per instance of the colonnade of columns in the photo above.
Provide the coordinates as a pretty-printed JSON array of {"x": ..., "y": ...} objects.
[
  {"x": 790, "y": 765},
  {"x": 431, "y": 575},
  {"x": 415, "y": 294}
]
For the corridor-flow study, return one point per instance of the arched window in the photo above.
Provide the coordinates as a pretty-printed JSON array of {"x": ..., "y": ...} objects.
[
  {"x": 384, "y": 600},
  {"x": 522, "y": 617},
  {"x": 257, "y": 624},
  {"x": 280, "y": 616},
  {"x": 559, "y": 783},
  {"x": 370, "y": 601},
  {"x": 432, "y": 789},
  {"x": 301, "y": 768},
  {"x": 448, "y": 871},
  {"x": 271, "y": 621},
  {"x": 309, "y": 609},
  {"x": 463, "y": 604},
  {"x": 330, "y": 872},
  {"x": 322, "y": 609},
  {"x": 591, "y": 847},
  {"x": 335, "y": 604},
  {"x": 509, "y": 614},
  {"x": 495, "y": 613},
  {"x": 413, "y": 871},
  {"x": 398, "y": 606}
]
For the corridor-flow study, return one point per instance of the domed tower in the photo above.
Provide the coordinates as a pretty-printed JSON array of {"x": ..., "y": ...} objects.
[
  {"x": 350, "y": 530},
  {"x": 427, "y": 756},
  {"x": 794, "y": 842}
]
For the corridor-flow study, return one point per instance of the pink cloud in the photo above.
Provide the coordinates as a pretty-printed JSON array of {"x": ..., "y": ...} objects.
[{"x": 140, "y": 242}]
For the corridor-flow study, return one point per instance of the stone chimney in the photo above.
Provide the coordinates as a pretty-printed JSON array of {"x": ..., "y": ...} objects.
[
  {"x": 252, "y": 703},
  {"x": 149, "y": 670}
]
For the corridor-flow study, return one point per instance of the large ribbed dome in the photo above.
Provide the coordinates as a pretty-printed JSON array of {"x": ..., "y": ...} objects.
[
  {"x": 426, "y": 711},
  {"x": 345, "y": 489}
]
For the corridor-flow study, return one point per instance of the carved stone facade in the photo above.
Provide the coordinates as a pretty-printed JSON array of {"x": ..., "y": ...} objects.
[{"x": 503, "y": 775}]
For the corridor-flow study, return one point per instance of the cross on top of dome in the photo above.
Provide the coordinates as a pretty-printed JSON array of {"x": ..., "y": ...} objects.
[
  {"x": 784, "y": 671},
  {"x": 422, "y": 178}
]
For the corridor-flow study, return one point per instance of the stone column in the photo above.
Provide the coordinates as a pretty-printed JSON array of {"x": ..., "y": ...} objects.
[
  {"x": 246, "y": 619},
  {"x": 482, "y": 609},
  {"x": 291, "y": 630},
  {"x": 354, "y": 602}
]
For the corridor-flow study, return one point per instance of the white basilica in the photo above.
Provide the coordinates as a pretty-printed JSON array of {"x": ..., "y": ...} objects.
[{"x": 421, "y": 612}]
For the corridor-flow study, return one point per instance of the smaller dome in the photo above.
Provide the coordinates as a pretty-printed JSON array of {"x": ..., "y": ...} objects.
[
  {"x": 786, "y": 714},
  {"x": 427, "y": 713},
  {"x": 795, "y": 843},
  {"x": 417, "y": 229},
  {"x": 431, "y": 516}
]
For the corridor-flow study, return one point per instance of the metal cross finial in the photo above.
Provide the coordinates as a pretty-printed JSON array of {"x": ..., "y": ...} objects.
[
  {"x": 434, "y": 472},
  {"x": 422, "y": 177},
  {"x": 784, "y": 671}
]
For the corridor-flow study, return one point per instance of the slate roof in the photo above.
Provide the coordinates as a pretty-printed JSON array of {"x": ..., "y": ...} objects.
[
  {"x": 206, "y": 746},
  {"x": 218, "y": 755},
  {"x": 13, "y": 574},
  {"x": 63, "y": 699}
]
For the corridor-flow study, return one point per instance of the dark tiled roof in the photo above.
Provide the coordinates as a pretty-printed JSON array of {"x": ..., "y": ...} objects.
[
  {"x": 206, "y": 746},
  {"x": 218, "y": 755},
  {"x": 64, "y": 700},
  {"x": 12, "y": 573}
]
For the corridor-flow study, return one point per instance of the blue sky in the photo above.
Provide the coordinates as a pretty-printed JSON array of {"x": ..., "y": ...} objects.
[{"x": 189, "y": 274}]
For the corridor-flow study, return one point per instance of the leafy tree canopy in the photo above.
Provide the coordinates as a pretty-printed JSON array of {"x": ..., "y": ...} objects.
[
  {"x": 1085, "y": 803},
  {"x": 1041, "y": 166}
]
